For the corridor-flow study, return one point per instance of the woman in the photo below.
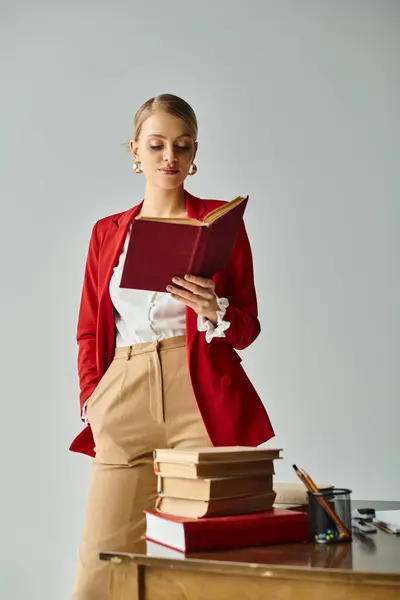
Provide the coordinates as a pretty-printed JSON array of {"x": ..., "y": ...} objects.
[{"x": 157, "y": 369}]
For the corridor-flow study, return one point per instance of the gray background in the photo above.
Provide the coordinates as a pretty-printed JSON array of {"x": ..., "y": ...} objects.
[{"x": 298, "y": 106}]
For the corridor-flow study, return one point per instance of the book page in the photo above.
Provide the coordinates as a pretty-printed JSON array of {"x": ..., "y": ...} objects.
[
  {"x": 180, "y": 221},
  {"x": 222, "y": 210}
]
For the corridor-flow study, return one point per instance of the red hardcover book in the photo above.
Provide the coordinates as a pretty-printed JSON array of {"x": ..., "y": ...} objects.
[
  {"x": 276, "y": 526},
  {"x": 160, "y": 249}
]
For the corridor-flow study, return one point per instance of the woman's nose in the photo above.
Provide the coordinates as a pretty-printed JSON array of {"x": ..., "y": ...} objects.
[{"x": 169, "y": 155}]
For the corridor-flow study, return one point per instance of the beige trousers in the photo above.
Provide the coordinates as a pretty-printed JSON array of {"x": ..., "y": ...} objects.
[{"x": 144, "y": 401}]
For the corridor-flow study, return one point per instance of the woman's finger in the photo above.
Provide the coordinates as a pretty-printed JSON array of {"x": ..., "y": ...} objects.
[
  {"x": 201, "y": 281},
  {"x": 204, "y": 292},
  {"x": 187, "y": 295}
]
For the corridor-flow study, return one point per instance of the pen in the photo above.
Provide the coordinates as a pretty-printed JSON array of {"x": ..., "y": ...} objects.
[{"x": 311, "y": 487}]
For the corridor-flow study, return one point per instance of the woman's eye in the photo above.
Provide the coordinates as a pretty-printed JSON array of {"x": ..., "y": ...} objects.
[{"x": 180, "y": 148}]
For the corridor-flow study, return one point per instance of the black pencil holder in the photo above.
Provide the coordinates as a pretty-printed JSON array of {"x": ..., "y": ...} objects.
[{"x": 322, "y": 528}]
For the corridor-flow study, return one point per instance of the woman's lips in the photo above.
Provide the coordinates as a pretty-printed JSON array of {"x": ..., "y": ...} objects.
[{"x": 168, "y": 171}]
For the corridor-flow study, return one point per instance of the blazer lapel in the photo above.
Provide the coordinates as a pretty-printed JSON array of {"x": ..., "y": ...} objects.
[
  {"x": 196, "y": 208},
  {"x": 114, "y": 243}
]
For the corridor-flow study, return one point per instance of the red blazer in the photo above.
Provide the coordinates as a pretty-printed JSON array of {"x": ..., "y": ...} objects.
[{"x": 230, "y": 407}]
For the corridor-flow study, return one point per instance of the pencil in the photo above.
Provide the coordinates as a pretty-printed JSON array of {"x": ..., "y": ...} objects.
[
  {"x": 312, "y": 487},
  {"x": 383, "y": 527}
]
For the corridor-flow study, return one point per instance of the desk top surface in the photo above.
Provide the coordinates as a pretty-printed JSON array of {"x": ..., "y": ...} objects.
[{"x": 377, "y": 554}]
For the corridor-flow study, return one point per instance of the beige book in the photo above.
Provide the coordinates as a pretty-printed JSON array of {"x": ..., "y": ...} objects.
[
  {"x": 215, "y": 469},
  {"x": 215, "y": 454},
  {"x": 214, "y": 488},
  {"x": 295, "y": 507},
  {"x": 196, "y": 509},
  {"x": 294, "y": 493}
]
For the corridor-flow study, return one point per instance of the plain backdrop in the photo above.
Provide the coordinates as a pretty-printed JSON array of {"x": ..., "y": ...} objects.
[{"x": 298, "y": 106}]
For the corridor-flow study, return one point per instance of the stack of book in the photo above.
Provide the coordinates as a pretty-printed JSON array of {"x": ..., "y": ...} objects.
[
  {"x": 213, "y": 482},
  {"x": 216, "y": 498}
]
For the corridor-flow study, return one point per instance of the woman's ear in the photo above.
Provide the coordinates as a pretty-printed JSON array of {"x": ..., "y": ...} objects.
[
  {"x": 133, "y": 147},
  {"x": 196, "y": 147}
]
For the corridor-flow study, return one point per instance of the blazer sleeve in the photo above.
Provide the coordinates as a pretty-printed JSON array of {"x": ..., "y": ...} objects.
[
  {"x": 242, "y": 312},
  {"x": 87, "y": 322}
]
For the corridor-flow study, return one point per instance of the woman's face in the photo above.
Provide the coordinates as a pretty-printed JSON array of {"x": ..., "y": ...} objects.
[{"x": 165, "y": 150}]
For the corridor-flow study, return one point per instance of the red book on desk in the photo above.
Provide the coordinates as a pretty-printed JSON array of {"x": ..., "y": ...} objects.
[
  {"x": 160, "y": 249},
  {"x": 275, "y": 526}
]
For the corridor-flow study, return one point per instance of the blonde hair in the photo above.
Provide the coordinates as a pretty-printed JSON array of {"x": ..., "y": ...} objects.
[{"x": 170, "y": 104}]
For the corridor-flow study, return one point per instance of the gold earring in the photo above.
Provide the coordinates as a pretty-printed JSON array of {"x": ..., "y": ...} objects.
[
  {"x": 137, "y": 167},
  {"x": 192, "y": 169}
]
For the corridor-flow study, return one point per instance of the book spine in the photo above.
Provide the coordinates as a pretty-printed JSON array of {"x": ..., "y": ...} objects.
[{"x": 197, "y": 252}]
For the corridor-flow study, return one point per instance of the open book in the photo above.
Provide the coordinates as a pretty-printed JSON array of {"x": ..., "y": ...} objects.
[
  {"x": 210, "y": 218},
  {"x": 160, "y": 249}
]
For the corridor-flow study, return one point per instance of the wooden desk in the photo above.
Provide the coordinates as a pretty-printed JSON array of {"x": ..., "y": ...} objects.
[{"x": 366, "y": 569}]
